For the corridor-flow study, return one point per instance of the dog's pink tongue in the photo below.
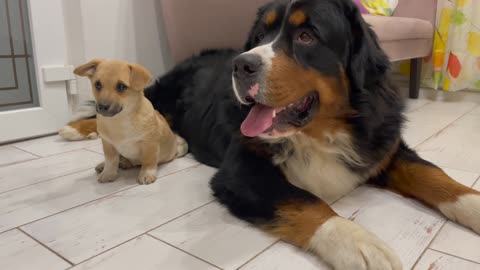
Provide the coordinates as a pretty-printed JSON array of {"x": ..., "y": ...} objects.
[{"x": 258, "y": 120}]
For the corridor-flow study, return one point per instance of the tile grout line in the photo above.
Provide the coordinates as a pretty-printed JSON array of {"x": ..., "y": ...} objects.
[
  {"x": 23, "y": 150},
  {"x": 461, "y": 170},
  {"x": 170, "y": 221},
  {"x": 100, "y": 198},
  {"x": 446, "y": 127},
  {"x": 430, "y": 243},
  {"x": 476, "y": 182},
  {"x": 183, "y": 251},
  {"x": 47, "y": 180},
  {"x": 416, "y": 109},
  {"x": 82, "y": 204},
  {"x": 90, "y": 150},
  {"x": 46, "y": 247},
  {"x": 18, "y": 162},
  {"x": 455, "y": 256},
  {"x": 258, "y": 254},
  {"x": 65, "y": 152},
  {"x": 144, "y": 233}
]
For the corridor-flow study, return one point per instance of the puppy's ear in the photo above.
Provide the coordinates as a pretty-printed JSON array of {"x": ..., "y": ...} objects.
[
  {"x": 139, "y": 77},
  {"x": 367, "y": 63},
  {"x": 88, "y": 69}
]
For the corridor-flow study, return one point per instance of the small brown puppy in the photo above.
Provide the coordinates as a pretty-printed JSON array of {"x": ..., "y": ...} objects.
[{"x": 132, "y": 132}]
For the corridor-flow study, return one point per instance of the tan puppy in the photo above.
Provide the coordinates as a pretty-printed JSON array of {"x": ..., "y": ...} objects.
[{"x": 127, "y": 122}]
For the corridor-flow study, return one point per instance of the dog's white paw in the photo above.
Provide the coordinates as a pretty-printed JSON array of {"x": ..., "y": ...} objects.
[
  {"x": 147, "y": 176},
  {"x": 182, "y": 147},
  {"x": 70, "y": 133},
  {"x": 106, "y": 176},
  {"x": 346, "y": 245},
  {"x": 465, "y": 210}
]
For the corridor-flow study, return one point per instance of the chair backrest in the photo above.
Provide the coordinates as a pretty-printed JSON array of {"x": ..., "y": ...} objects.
[
  {"x": 192, "y": 25},
  {"x": 420, "y": 9}
]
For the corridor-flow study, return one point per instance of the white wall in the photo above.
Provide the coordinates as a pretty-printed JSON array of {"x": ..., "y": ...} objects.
[{"x": 130, "y": 30}]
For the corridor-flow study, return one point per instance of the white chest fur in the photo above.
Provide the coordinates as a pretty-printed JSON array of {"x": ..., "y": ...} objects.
[
  {"x": 123, "y": 136},
  {"x": 318, "y": 169}
]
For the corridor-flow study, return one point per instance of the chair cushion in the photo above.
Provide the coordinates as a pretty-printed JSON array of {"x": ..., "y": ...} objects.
[
  {"x": 407, "y": 48},
  {"x": 399, "y": 28}
]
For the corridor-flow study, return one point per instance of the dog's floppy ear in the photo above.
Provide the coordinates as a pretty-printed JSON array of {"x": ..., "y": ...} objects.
[
  {"x": 88, "y": 69},
  {"x": 367, "y": 63},
  {"x": 139, "y": 78}
]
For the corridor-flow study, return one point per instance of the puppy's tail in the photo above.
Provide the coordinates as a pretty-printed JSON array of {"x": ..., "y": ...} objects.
[
  {"x": 182, "y": 147},
  {"x": 84, "y": 127}
]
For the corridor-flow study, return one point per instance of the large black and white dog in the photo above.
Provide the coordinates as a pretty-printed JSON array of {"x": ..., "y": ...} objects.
[{"x": 301, "y": 118}]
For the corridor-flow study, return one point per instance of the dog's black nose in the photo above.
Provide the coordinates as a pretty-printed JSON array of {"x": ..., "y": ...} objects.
[
  {"x": 103, "y": 107},
  {"x": 246, "y": 65}
]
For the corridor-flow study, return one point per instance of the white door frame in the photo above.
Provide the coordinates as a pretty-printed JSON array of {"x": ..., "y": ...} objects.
[{"x": 49, "y": 49}]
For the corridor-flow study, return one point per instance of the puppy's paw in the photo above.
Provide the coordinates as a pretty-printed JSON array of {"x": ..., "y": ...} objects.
[
  {"x": 106, "y": 177},
  {"x": 99, "y": 168},
  {"x": 125, "y": 164},
  {"x": 465, "y": 210},
  {"x": 346, "y": 245},
  {"x": 182, "y": 147},
  {"x": 147, "y": 177}
]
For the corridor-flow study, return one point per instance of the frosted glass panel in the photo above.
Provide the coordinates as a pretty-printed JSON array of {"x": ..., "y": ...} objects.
[{"x": 18, "y": 88}]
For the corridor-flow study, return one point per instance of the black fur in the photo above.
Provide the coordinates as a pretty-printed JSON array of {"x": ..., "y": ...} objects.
[{"x": 198, "y": 94}]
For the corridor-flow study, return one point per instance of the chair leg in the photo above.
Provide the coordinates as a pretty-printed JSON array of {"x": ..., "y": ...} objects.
[{"x": 415, "y": 77}]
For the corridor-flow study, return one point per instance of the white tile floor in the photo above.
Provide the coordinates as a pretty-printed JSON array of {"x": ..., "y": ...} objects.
[{"x": 54, "y": 215}]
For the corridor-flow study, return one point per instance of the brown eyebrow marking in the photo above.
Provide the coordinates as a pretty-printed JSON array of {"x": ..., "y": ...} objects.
[
  {"x": 297, "y": 18},
  {"x": 121, "y": 82},
  {"x": 271, "y": 17}
]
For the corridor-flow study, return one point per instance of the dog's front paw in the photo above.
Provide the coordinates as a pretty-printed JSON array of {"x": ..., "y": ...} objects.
[
  {"x": 99, "y": 168},
  {"x": 147, "y": 177},
  {"x": 346, "y": 245},
  {"x": 106, "y": 177},
  {"x": 465, "y": 210}
]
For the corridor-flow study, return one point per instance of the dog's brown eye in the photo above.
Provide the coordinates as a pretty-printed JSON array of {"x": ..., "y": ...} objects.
[
  {"x": 305, "y": 38},
  {"x": 121, "y": 87},
  {"x": 260, "y": 37},
  {"x": 98, "y": 85}
]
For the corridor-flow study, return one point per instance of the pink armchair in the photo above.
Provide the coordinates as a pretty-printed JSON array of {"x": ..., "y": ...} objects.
[{"x": 193, "y": 25}]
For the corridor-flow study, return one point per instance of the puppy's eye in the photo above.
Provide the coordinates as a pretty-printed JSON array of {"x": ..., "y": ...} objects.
[
  {"x": 305, "y": 38},
  {"x": 98, "y": 85},
  {"x": 121, "y": 87}
]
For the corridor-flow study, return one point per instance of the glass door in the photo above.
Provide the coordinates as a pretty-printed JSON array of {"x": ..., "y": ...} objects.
[
  {"x": 18, "y": 87},
  {"x": 32, "y": 38}
]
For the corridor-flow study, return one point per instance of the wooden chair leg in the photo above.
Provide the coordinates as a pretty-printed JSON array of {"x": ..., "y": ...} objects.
[{"x": 415, "y": 77}]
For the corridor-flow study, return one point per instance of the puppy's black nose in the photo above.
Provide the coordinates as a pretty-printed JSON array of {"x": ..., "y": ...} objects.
[
  {"x": 246, "y": 65},
  {"x": 103, "y": 107}
]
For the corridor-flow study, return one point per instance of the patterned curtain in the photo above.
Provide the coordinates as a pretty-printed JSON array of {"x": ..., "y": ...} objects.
[{"x": 455, "y": 62}]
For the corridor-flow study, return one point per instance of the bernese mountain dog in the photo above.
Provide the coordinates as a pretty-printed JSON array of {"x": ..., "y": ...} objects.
[{"x": 299, "y": 118}]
